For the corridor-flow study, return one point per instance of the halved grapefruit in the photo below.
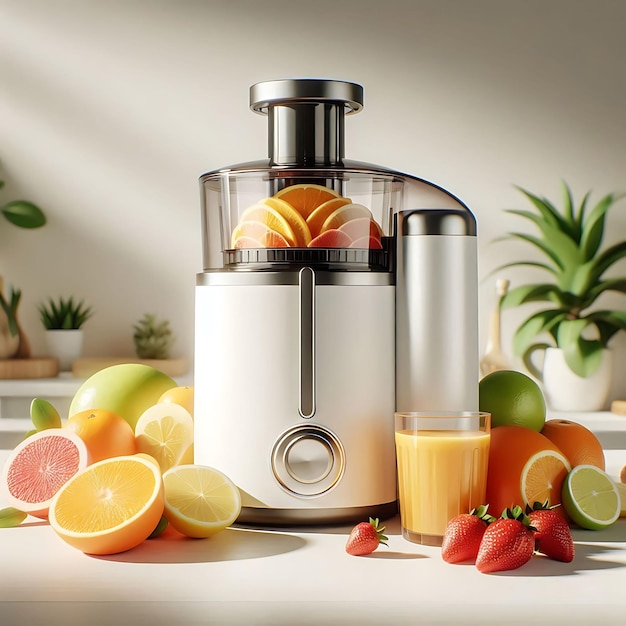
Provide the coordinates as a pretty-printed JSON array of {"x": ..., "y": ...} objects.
[
  {"x": 331, "y": 239},
  {"x": 361, "y": 227},
  {"x": 372, "y": 243},
  {"x": 39, "y": 466}
]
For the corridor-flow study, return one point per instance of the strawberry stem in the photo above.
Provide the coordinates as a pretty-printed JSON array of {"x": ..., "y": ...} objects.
[{"x": 379, "y": 531}]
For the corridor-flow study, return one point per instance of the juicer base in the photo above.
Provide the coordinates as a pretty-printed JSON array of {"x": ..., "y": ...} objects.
[{"x": 260, "y": 516}]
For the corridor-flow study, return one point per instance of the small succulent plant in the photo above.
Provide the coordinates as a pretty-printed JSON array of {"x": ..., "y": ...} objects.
[
  {"x": 571, "y": 242},
  {"x": 153, "y": 337},
  {"x": 64, "y": 314}
]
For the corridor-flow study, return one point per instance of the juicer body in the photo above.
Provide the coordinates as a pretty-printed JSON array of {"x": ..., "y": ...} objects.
[
  {"x": 304, "y": 353},
  {"x": 294, "y": 460}
]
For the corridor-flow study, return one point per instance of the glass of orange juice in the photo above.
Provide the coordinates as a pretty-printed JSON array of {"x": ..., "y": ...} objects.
[{"x": 442, "y": 469}]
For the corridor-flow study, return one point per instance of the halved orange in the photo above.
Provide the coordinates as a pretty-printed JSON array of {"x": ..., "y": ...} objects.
[
  {"x": 306, "y": 197},
  {"x": 111, "y": 506},
  {"x": 319, "y": 215},
  {"x": 295, "y": 219},
  {"x": 542, "y": 477},
  {"x": 272, "y": 218},
  {"x": 524, "y": 467},
  {"x": 344, "y": 214}
]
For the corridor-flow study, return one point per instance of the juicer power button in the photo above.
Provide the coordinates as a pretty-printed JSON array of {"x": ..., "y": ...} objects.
[{"x": 307, "y": 460}]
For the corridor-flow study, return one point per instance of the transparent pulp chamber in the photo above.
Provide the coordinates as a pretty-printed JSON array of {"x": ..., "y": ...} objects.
[{"x": 320, "y": 275}]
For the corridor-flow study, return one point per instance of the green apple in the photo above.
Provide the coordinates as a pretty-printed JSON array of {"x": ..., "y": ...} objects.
[{"x": 127, "y": 389}]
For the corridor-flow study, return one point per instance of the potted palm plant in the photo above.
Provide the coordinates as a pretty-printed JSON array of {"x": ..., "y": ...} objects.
[
  {"x": 63, "y": 320},
  {"x": 576, "y": 333}
]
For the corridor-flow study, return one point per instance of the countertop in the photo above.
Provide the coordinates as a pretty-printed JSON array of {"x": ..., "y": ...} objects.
[{"x": 303, "y": 576}]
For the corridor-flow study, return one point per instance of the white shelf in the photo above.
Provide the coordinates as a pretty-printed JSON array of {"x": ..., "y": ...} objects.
[{"x": 16, "y": 395}]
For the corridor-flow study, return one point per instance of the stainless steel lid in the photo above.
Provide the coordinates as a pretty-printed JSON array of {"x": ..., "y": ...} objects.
[{"x": 287, "y": 91}]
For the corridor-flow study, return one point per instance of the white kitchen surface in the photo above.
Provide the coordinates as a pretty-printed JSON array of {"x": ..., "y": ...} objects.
[{"x": 303, "y": 576}]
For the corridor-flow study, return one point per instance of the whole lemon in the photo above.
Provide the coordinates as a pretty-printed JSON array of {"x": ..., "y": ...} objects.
[{"x": 513, "y": 399}]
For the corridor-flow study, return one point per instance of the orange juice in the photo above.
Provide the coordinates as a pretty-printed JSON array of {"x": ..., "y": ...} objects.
[{"x": 441, "y": 473}]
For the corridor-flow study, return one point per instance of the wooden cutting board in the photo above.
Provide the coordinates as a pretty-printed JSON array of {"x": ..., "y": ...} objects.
[
  {"x": 618, "y": 407},
  {"x": 44, "y": 367},
  {"x": 84, "y": 368}
]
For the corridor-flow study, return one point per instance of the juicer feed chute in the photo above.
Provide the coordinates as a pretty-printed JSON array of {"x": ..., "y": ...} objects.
[{"x": 319, "y": 279}]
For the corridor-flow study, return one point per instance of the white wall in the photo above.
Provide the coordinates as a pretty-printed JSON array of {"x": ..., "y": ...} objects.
[{"x": 109, "y": 112}]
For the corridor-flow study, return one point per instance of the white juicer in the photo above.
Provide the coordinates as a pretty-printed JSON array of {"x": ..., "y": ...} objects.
[{"x": 333, "y": 293}]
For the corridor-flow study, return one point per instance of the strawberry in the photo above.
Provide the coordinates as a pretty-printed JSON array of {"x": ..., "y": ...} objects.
[
  {"x": 552, "y": 535},
  {"x": 365, "y": 538},
  {"x": 463, "y": 534},
  {"x": 507, "y": 544}
]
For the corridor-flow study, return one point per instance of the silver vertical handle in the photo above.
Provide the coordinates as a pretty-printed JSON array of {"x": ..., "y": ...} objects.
[{"x": 306, "y": 285}]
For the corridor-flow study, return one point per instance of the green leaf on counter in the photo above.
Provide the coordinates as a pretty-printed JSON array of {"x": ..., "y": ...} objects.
[
  {"x": 11, "y": 517},
  {"x": 44, "y": 415}
]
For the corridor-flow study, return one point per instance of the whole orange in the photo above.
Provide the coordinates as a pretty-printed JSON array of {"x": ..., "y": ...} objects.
[
  {"x": 179, "y": 395},
  {"x": 106, "y": 434},
  {"x": 524, "y": 467},
  {"x": 576, "y": 442}
]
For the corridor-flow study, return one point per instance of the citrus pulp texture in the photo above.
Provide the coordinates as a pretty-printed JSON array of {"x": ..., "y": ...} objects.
[
  {"x": 110, "y": 507},
  {"x": 512, "y": 398},
  {"x": 591, "y": 498},
  {"x": 165, "y": 432},
  {"x": 306, "y": 197},
  {"x": 199, "y": 500},
  {"x": 184, "y": 396},
  {"x": 524, "y": 467},
  {"x": 39, "y": 466}
]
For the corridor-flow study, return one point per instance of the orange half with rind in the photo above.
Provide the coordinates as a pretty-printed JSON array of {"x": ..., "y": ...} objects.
[
  {"x": 110, "y": 507},
  {"x": 271, "y": 218},
  {"x": 320, "y": 214},
  {"x": 305, "y": 198},
  {"x": 294, "y": 218}
]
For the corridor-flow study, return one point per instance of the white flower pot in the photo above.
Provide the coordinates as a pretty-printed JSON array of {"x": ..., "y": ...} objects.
[
  {"x": 65, "y": 345},
  {"x": 566, "y": 391}
]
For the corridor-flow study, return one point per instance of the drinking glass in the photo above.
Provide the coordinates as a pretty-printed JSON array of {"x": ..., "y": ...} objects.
[{"x": 442, "y": 469}]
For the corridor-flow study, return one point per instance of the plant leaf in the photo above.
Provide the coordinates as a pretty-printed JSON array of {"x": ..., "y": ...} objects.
[
  {"x": 583, "y": 356},
  {"x": 568, "y": 203},
  {"x": 24, "y": 214},
  {"x": 550, "y": 214},
  {"x": 607, "y": 323},
  {"x": 543, "y": 321},
  {"x": 580, "y": 216},
  {"x": 611, "y": 284},
  {"x": 538, "y": 243},
  {"x": 605, "y": 260},
  {"x": 593, "y": 227},
  {"x": 529, "y": 293},
  {"x": 528, "y": 360}
]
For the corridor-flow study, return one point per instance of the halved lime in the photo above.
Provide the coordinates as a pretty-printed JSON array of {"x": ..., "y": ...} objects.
[{"x": 590, "y": 497}]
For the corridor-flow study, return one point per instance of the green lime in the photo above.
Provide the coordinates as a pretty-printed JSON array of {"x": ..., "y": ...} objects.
[
  {"x": 590, "y": 497},
  {"x": 513, "y": 399}
]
